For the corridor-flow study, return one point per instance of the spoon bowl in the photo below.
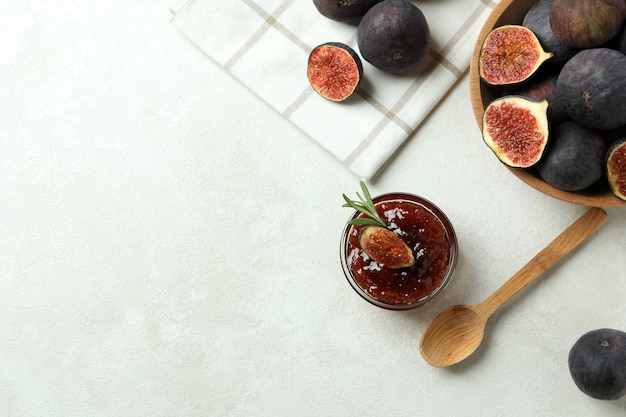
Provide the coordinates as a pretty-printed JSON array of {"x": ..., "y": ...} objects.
[
  {"x": 457, "y": 332},
  {"x": 451, "y": 335}
]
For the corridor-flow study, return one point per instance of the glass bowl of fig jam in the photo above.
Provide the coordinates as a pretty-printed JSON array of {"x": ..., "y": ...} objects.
[{"x": 429, "y": 234}]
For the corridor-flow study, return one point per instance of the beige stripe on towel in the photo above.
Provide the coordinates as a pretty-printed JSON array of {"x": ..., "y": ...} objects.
[{"x": 269, "y": 50}]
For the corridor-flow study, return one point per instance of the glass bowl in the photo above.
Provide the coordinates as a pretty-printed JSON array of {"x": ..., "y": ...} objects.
[{"x": 426, "y": 230}]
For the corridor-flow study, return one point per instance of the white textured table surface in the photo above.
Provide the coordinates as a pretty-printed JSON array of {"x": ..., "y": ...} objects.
[{"x": 169, "y": 245}]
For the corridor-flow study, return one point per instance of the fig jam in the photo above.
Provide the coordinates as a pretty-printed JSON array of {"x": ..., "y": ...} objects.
[{"x": 426, "y": 230}]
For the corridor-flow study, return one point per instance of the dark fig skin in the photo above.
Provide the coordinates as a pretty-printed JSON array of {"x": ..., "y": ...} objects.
[
  {"x": 544, "y": 88},
  {"x": 592, "y": 88},
  {"x": 621, "y": 40},
  {"x": 574, "y": 158},
  {"x": 537, "y": 19},
  {"x": 394, "y": 36},
  {"x": 614, "y": 135},
  {"x": 348, "y": 11},
  {"x": 597, "y": 364},
  {"x": 587, "y": 23}
]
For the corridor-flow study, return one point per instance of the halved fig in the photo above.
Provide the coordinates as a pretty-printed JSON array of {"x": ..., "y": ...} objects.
[
  {"x": 516, "y": 130},
  {"x": 616, "y": 168},
  {"x": 334, "y": 70},
  {"x": 386, "y": 247},
  {"x": 510, "y": 54}
]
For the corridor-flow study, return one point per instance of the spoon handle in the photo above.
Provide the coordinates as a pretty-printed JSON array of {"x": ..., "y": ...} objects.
[{"x": 551, "y": 254}]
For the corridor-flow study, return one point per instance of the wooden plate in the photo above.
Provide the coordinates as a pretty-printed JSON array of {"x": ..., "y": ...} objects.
[{"x": 513, "y": 12}]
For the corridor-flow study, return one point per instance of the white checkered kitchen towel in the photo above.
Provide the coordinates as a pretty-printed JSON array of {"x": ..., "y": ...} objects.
[{"x": 265, "y": 44}]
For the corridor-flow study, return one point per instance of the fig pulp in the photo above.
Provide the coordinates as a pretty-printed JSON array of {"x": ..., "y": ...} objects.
[
  {"x": 334, "y": 70},
  {"x": 597, "y": 363},
  {"x": 516, "y": 130},
  {"x": 616, "y": 168},
  {"x": 386, "y": 248},
  {"x": 344, "y": 10},
  {"x": 394, "y": 36},
  {"x": 586, "y": 23},
  {"x": 592, "y": 88},
  {"x": 510, "y": 54},
  {"x": 574, "y": 159}
]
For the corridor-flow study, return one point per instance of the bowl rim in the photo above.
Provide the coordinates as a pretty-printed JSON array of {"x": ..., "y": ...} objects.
[{"x": 495, "y": 18}]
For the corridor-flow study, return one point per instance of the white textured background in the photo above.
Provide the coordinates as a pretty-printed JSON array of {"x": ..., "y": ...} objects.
[{"x": 169, "y": 245}]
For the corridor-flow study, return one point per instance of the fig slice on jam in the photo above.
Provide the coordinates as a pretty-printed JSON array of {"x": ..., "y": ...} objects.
[
  {"x": 386, "y": 248},
  {"x": 334, "y": 70},
  {"x": 510, "y": 54},
  {"x": 379, "y": 242}
]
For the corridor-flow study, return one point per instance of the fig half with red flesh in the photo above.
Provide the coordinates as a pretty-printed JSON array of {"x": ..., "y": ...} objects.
[
  {"x": 616, "y": 168},
  {"x": 334, "y": 70},
  {"x": 510, "y": 54},
  {"x": 386, "y": 247},
  {"x": 516, "y": 130}
]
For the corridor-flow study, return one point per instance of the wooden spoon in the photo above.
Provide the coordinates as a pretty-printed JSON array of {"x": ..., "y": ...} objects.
[{"x": 456, "y": 332}]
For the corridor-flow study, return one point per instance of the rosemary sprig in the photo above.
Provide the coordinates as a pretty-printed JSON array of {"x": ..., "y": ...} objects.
[{"x": 366, "y": 206}]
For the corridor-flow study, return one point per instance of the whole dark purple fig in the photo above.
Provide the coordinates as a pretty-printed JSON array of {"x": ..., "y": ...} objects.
[
  {"x": 592, "y": 88},
  {"x": 537, "y": 19},
  {"x": 574, "y": 158},
  {"x": 597, "y": 363},
  {"x": 394, "y": 36},
  {"x": 344, "y": 10},
  {"x": 586, "y": 23}
]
